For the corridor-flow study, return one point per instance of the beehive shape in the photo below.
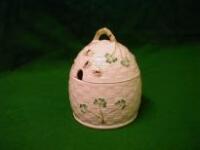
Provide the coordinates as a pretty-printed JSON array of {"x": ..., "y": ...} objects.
[
  {"x": 105, "y": 84},
  {"x": 104, "y": 61}
]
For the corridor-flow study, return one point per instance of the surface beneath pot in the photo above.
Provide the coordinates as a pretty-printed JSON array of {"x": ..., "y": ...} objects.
[{"x": 35, "y": 111}]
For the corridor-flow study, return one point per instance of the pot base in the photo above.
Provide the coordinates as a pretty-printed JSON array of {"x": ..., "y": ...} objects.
[{"x": 105, "y": 126}]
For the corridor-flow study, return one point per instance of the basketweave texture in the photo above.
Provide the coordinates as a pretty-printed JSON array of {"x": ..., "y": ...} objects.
[
  {"x": 102, "y": 62},
  {"x": 105, "y": 84},
  {"x": 105, "y": 105}
]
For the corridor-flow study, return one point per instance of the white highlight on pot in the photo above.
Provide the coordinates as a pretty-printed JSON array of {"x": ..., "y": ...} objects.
[{"x": 99, "y": 61}]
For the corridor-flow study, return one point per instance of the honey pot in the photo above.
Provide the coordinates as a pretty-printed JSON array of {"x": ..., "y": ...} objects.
[{"x": 105, "y": 84}]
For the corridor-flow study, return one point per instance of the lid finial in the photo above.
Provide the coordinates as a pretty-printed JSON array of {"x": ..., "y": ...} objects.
[{"x": 105, "y": 31}]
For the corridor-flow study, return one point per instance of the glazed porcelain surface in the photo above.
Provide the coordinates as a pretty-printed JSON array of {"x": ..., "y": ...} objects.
[{"x": 105, "y": 84}]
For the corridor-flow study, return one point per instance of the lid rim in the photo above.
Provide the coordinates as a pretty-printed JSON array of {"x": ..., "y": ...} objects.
[{"x": 137, "y": 76}]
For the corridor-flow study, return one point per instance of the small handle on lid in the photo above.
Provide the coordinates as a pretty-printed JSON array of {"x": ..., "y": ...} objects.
[{"x": 105, "y": 31}]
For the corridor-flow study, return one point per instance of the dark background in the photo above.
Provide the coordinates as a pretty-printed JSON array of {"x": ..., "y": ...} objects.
[
  {"x": 31, "y": 28},
  {"x": 38, "y": 42}
]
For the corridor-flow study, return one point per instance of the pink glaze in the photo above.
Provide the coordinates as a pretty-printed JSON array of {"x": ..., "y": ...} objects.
[{"x": 105, "y": 84}]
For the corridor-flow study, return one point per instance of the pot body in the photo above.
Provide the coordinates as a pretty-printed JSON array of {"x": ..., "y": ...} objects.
[{"x": 105, "y": 105}]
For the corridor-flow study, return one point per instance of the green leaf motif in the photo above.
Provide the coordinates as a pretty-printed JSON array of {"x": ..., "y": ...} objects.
[
  {"x": 110, "y": 58},
  {"x": 100, "y": 102},
  {"x": 83, "y": 108},
  {"x": 125, "y": 62},
  {"x": 121, "y": 104}
]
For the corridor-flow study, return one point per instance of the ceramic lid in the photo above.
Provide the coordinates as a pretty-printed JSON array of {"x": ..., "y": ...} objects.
[{"x": 105, "y": 61}]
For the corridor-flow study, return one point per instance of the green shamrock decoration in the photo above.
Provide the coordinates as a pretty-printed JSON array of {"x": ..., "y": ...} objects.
[
  {"x": 121, "y": 104},
  {"x": 110, "y": 58},
  {"x": 125, "y": 62},
  {"x": 83, "y": 108},
  {"x": 100, "y": 102}
]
